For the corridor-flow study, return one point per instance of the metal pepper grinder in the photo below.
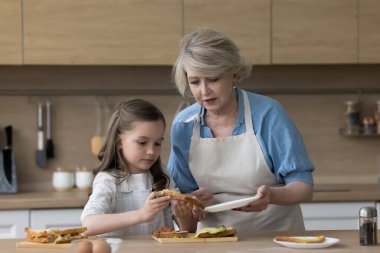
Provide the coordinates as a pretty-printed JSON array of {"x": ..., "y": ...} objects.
[{"x": 368, "y": 226}]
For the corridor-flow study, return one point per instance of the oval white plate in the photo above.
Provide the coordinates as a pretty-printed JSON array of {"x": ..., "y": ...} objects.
[
  {"x": 230, "y": 205},
  {"x": 329, "y": 241}
]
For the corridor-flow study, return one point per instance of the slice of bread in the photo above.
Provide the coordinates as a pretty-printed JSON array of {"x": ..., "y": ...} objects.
[
  {"x": 54, "y": 235},
  {"x": 221, "y": 231},
  {"x": 316, "y": 239},
  {"x": 173, "y": 234},
  {"x": 168, "y": 232},
  {"x": 179, "y": 196}
]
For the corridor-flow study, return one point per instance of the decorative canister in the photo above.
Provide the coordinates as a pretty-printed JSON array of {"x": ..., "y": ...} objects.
[{"x": 352, "y": 117}]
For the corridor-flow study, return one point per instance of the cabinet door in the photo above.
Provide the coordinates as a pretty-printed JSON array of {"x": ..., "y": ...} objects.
[
  {"x": 136, "y": 32},
  {"x": 313, "y": 32},
  {"x": 55, "y": 218},
  {"x": 247, "y": 22},
  {"x": 333, "y": 216},
  {"x": 10, "y": 32},
  {"x": 12, "y": 223},
  {"x": 369, "y": 31}
]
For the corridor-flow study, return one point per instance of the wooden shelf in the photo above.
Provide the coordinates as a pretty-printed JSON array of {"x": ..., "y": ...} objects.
[{"x": 360, "y": 134}]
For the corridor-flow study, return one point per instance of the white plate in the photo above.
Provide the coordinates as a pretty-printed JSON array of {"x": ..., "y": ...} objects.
[
  {"x": 230, "y": 205},
  {"x": 329, "y": 241}
]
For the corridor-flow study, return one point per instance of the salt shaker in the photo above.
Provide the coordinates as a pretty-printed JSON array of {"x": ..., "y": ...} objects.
[{"x": 368, "y": 226}]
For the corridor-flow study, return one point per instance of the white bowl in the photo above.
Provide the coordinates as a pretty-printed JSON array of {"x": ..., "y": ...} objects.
[
  {"x": 83, "y": 179},
  {"x": 63, "y": 180}
]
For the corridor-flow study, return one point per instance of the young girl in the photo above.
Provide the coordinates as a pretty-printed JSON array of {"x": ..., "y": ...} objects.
[{"x": 127, "y": 195}]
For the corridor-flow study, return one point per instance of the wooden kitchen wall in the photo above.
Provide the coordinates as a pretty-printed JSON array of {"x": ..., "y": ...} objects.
[{"x": 314, "y": 96}]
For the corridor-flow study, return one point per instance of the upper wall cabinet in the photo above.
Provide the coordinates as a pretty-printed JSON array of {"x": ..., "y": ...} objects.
[
  {"x": 369, "y": 31},
  {"x": 134, "y": 32},
  {"x": 313, "y": 32},
  {"x": 10, "y": 32},
  {"x": 247, "y": 22}
]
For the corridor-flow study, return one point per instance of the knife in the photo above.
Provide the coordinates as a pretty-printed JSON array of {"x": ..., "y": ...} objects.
[
  {"x": 49, "y": 140},
  {"x": 40, "y": 153},
  {"x": 7, "y": 154}
]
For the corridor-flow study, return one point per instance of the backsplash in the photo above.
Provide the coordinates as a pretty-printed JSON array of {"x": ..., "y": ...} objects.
[{"x": 314, "y": 96}]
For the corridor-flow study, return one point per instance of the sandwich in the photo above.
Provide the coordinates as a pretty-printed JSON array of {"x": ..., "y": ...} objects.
[
  {"x": 211, "y": 232},
  {"x": 57, "y": 236},
  {"x": 166, "y": 232},
  {"x": 317, "y": 239},
  {"x": 178, "y": 196}
]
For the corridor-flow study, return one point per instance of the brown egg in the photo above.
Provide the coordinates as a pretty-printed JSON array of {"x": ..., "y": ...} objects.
[
  {"x": 100, "y": 246},
  {"x": 85, "y": 246}
]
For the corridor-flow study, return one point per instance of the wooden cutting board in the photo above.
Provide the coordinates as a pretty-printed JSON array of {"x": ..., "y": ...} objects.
[
  {"x": 190, "y": 239},
  {"x": 26, "y": 244}
]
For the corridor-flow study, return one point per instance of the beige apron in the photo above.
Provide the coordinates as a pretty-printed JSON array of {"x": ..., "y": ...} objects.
[{"x": 234, "y": 167}]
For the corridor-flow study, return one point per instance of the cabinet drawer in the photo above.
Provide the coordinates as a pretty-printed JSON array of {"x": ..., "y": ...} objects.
[
  {"x": 55, "y": 218},
  {"x": 12, "y": 223},
  {"x": 332, "y": 216}
]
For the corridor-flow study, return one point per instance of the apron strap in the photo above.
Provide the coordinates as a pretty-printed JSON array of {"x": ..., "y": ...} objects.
[
  {"x": 247, "y": 114},
  {"x": 197, "y": 126}
]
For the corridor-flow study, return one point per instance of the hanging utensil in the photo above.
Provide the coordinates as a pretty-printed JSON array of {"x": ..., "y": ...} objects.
[
  {"x": 7, "y": 155},
  {"x": 41, "y": 152},
  {"x": 97, "y": 139},
  {"x": 49, "y": 140}
]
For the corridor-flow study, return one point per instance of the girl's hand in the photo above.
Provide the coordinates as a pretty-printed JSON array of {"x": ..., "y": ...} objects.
[
  {"x": 258, "y": 205},
  {"x": 155, "y": 202},
  {"x": 206, "y": 196}
]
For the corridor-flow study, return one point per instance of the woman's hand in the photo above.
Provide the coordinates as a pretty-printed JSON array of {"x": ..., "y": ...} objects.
[
  {"x": 182, "y": 209},
  {"x": 264, "y": 193},
  {"x": 155, "y": 202},
  {"x": 206, "y": 196},
  {"x": 183, "y": 216},
  {"x": 290, "y": 194}
]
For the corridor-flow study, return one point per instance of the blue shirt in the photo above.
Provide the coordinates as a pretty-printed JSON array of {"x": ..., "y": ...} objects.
[{"x": 282, "y": 144}]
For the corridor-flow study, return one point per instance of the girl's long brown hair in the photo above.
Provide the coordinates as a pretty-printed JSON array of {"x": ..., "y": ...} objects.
[{"x": 111, "y": 159}]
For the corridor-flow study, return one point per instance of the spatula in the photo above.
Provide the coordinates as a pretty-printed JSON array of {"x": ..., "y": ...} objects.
[
  {"x": 97, "y": 139},
  {"x": 41, "y": 152}
]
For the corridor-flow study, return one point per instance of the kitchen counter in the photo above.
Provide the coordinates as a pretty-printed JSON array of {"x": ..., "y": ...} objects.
[
  {"x": 78, "y": 198},
  {"x": 349, "y": 242},
  {"x": 40, "y": 200}
]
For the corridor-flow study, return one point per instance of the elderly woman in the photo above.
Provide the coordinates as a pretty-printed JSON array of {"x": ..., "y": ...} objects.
[{"x": 233, "y": 144}]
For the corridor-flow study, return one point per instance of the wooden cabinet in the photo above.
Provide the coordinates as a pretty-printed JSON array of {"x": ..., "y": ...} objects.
[
  {"x": 314, "y": 32},
  {"x": 147, "y": 32},
  {"x": 247, "y": 22},
  {"x": 333, "y": 216},
  {"x": 10, "y": 32},
  {"x": 369, "y": 31},
  {"x": 12, "y": 223},
  {"x": 132, "y": 32}
]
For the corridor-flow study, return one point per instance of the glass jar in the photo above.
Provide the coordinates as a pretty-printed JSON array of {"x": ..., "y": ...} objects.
[
  {"x": 368, "y": 226},
  {"x": 352, "y": 117}
]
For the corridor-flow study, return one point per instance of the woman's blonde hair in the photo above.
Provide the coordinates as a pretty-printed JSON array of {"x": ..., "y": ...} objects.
[{"x": 209, "y": 53}]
